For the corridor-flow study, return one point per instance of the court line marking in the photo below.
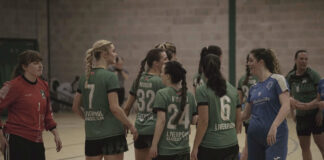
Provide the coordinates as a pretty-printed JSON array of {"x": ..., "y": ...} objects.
[
  {"x": 80, "y": 155},
  {"x": 67, "y": 158},
  {"x": 295, "y": 146}
]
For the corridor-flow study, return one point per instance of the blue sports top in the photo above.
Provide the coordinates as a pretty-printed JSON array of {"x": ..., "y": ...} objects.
[
  {"x": 321, "y": 89},
  {"x": 265, "y": 105}
]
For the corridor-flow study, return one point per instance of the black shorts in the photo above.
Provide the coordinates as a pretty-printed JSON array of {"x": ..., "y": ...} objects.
[
  {"x": 184, "y": 156},
  {"x": 306, "y": 125},
  {"x": 21, "y": 148},
  {"x": 121, "y": 95},
  {"x": 246, "y": 126},
  {"x": 143, "y": 141},
  {"x": 229, "y": 153},
  {"x": 106, "y": 146}
]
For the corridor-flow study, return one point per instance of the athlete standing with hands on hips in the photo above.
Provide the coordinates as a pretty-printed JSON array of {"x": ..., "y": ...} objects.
[
  {"x": 29, "y": 111},
  {"x": 268, "y": 105},
  {"x": 104, "y": 118},
  {"x": 144, "y": 90}
]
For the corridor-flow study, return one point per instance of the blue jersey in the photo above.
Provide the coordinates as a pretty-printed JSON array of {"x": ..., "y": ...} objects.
[
  {"x": 265, "y": 106},
  {"x": 321, "y": 90}
]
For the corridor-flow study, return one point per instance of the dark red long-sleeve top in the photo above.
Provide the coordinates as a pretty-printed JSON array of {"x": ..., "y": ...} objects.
[{"x": 29, "y": 109}]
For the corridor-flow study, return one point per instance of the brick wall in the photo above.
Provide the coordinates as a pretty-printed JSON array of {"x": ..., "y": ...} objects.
[
  {"x": 25, "y": 19},
  {"x": 136, "y": 26},
  {"x": 283, "y": 25}
]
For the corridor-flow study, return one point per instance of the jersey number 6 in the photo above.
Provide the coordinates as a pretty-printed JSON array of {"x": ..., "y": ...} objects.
[{"x": 225, "y": 108}]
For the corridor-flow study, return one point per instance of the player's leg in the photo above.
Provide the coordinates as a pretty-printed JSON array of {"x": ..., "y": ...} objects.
[{"x": 142, "y": 147}]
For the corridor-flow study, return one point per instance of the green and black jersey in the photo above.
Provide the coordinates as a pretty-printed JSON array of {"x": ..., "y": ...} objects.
[
  {"x": 221, "y": 132},
  {"x": 175, "y": 135},
  {"x": 198, "y": 80},
  {"x": 252, "y": 80},
  {"x": 304, "y": 88},
  {"x": 99, "y": 120},
  {"x": 148, "y": 86}
]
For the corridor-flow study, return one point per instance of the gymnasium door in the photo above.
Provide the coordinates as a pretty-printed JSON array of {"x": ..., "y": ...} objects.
[{"x": 9, "y": 51}]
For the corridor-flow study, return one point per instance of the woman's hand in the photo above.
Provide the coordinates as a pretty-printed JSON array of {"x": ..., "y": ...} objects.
[
  {"x": 3, "y": 142},
  {"x": 292, "y": 103},
  {"x": 194, "y": 153},
  {"x": 57, "y": 139},
  {"x": 134, "y": 132},
  {"x": 153, "y": 151},
  {"x": 271, "y": 138},
  {"x": 58, "y": 143}
]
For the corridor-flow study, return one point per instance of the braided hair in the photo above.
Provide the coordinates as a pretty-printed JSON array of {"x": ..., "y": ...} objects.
[
  {"x": 95, "y": 52},
  {"x": 170, "y": 49}
]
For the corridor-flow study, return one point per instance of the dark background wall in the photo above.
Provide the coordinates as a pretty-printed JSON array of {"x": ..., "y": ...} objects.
[{"x": 136, "y": 26}]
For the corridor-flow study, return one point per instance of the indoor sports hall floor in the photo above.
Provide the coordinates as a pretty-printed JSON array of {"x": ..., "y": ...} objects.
[{"x": 71, "y": 129}]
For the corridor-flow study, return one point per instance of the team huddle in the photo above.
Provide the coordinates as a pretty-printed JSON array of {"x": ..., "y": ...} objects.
[{"x": 166, "y": 110}]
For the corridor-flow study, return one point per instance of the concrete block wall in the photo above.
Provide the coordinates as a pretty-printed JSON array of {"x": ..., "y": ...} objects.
[
  {"x": 284, "y": 26},
  {"x": 136, "y": 26},
  {"x": 25, "y": 19}
]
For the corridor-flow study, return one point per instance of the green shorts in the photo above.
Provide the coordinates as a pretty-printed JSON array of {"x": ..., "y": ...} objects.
[{"x": 106, "y": 146}]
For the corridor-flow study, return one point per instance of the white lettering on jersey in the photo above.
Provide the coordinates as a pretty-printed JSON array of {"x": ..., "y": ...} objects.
[
  {"x": 145, "y": 85},
  {"x": 28, "y": 95},
  {"x": 93, "y": 116},
  {"x": 224, "y": 126},
  {"x": 177, "y": 136}
]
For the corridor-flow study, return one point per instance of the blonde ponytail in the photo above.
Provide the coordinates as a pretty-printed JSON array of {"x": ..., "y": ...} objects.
[
  {"x": 88, "y": 62},
  {"x": 94, "y": 52}
]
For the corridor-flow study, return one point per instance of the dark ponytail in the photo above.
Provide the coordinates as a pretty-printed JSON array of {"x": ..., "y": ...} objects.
[
  {"x": 247, "y": 71},
  {"x": 140, "y": 73},
  {"x": 25, "y": 58},
  {"x": 177, "y": 74},
  {"x": 211, "y": 49},
  {"x": 151, "y": 56},
  {"x": 296, "y": 56},
  {"x": 211, "y": 69}
]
